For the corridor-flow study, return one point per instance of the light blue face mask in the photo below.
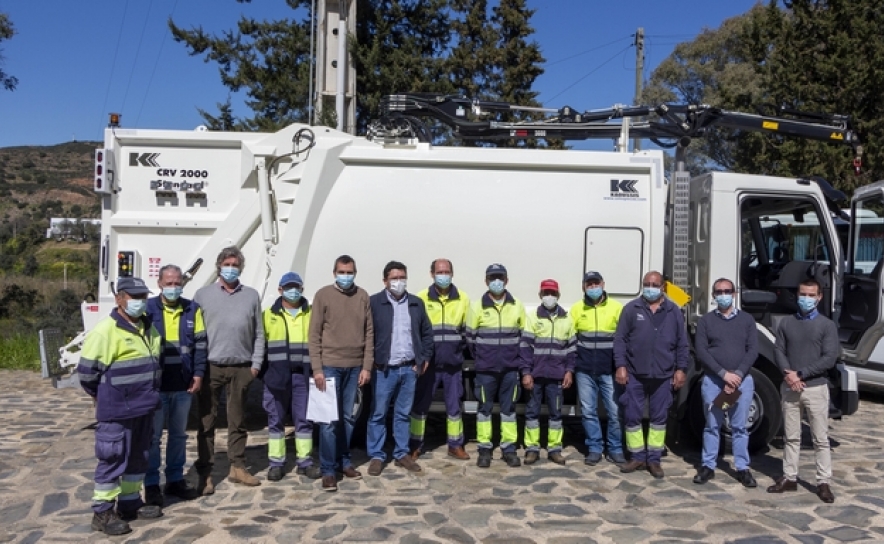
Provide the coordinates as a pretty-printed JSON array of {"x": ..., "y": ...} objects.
[
  {"x": 443, "y": 281},
  {"x": 496, "y": 287},
  {"x": 594, "y": 293},
  {"x": 171, "y": 293},
  {"x": 229, "y": 273},
  {"x": 345, "y": 281},
  {"x": 292, "y": 295},
  {"x": 135, "y": 307},
  {"x": 724, "y": 301},
  {"x": 651, "y": 294},
  {"x": 806, "y": 304}
]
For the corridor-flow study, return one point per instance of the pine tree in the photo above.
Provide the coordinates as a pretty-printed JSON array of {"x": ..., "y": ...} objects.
[{"x": 7, "y": 31}]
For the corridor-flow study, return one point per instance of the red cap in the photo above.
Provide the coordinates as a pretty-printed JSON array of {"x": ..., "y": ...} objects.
[{"x": 551, "y": 285}]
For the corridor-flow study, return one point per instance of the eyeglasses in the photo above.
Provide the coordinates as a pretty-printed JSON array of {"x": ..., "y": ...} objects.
[
  {"x": 652, "y": 285},
  {"x": 723, "y": 292}
]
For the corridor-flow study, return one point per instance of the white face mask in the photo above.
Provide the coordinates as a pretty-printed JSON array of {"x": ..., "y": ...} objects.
[
  {"x": 550, "y": 301},
  {"x": 397, "y": 287}
]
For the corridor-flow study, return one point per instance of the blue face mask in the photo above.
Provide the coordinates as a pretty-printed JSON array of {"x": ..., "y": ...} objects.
[
  {"x": 443, "y": 281},
  {"x": 292, "y": 295},
  {"x": 345, "y": 281},
  {"x": 135, "y": 307},
  {"x": 496, "y": 287},
  {"x": 724, "y": 301},
  {"x": 806, "y": 304},
  {"x": 594, "y": 293},
  {"x": 651, "y": 294},
  {"x": 171, "y": 293},
  {"x": 230, "y": 273}
]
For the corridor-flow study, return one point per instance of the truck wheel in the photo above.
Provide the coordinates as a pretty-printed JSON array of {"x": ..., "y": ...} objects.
[
  {"x": 361, "y": 410},
  {"x": 765, "y": 415}
]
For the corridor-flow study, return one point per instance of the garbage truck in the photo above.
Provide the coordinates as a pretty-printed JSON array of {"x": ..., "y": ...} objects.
[{"x": 298, "y": 198}]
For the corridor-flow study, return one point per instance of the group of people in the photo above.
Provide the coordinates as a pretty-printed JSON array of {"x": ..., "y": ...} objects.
[{"x": 145, "y": 362}]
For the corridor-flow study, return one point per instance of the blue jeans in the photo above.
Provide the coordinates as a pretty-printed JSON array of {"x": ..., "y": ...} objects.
[
  {"x": 173, "y": 414},
  {"x": 394, "y": 384},
  {"x": 738, "y": 415},
  {"x": 334, "y": 437},
  {"x": 589, "y": 388}
]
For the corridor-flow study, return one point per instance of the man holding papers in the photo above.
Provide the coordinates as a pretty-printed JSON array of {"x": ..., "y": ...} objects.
[{"x": 341, "y": 342}]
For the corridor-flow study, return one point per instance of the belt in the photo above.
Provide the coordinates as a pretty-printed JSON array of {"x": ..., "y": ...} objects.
[{"x": 411, "y": 362}]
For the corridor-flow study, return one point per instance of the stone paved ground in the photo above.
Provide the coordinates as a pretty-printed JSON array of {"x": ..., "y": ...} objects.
[{"x": 46, "y": 463}]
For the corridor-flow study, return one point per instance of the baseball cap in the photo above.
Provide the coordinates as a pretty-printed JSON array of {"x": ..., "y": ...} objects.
[
  {"x": 133, "y": 286},
  {"x": 592, "y": 275},
  {"x": 495, "y": 269},
  {"x": 551, "y": 285},
  {"x": 290, "y": 277}
]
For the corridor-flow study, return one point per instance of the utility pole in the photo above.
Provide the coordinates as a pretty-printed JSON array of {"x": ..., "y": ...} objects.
[{"x": 639, "y": 75}]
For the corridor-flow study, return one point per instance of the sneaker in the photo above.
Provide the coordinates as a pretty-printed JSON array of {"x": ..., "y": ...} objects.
[
  {"x": 153, "y": 495},
  {"x": 557, "y": 458},
  {"x": 484, "y": 460},
  {"x": 275, "y": 474},
  {"x": 531, "y": 457},
  {"x": 180, "y": 489},
  {"x": 109, "y": 523},
  {"x": 512, "y": 459},
  {"x": 375, "y": 467},
  {"x": 407, "y": 462},
  {"x": 592, "y": 458},
  {"x": 148, "y": 511},
  {"x": 617, "y": 458},
  {"x": 313, "y": 472}
]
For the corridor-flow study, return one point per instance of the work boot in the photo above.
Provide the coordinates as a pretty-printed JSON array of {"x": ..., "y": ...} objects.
[
  {"x": 313, "y": 472},
  {"x": 329, "y": 483},
  {"x": 109, "y": 523},
  {"x": 512, "y": 459},
  {"x": 275, "y": 474},
  {"x": 484, "y": 460},
  {"x": 656, "y": 470},
  {"x": 415, "y": 454},
  {"x": 153, "y": 495},
  {"x": 408, "y": 464},
  {"x": 632, "y": 466},
  {"x": 531, "y": 457},
  {"x": 239, "y": 475},
  {"x": 458, "y": 453},
  {"x": 205, "y": 486},
  {"x": 148, "y": 511},
  {"x": 557, "y": 458},
  {"x": 180, "y": 489}
]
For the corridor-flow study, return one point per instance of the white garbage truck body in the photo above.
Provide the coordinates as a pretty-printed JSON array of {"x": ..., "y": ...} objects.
[{"x": 297, "y": 199}]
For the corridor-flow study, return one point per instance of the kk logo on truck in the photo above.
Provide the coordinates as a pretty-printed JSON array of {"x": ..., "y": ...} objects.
[
  {"x": 624, "y": 189},
  {"x": 143, "y": 159}
]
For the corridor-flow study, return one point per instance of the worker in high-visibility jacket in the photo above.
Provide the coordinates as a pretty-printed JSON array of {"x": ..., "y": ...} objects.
[
  {"x": 286, "y": 377},
  {"x": 447, "y": 308},
  {"x": 494, "y": 329},
  {"x": 548, "y": 358},
  {"x": 120, "y": 368}
]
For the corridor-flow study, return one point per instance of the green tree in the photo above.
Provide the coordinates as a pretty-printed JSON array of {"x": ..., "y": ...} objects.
[{"x": 7, "y": 31}]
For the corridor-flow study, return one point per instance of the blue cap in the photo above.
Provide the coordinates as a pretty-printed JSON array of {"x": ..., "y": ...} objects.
[
  {"x": 495, "y": 269},
  {"x": 592, "y": 275},
  {"x": 290, "y": 277},
  {"x": 133, "y": 286}
]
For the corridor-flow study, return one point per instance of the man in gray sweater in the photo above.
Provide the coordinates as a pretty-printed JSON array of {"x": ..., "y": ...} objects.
[
  {"x": 807, "y": 347},
  {"x": 726, "y": 345},
  {"x": 235, "y": 330}
]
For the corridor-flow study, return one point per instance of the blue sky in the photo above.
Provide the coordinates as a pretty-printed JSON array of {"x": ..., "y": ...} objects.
[{"x": 76, "y": 61}]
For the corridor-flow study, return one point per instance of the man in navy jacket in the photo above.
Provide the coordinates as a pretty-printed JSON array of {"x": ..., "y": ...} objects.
[
  {"x": 403, "y": 348},
  {"x": 651, "y": 355}
]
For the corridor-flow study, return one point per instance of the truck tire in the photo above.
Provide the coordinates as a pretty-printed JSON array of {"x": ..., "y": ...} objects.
[
  {"x": 361, "y": 411},
  {"x": 765, "y": 415}
]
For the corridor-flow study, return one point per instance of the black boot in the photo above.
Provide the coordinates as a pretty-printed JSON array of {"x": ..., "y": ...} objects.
[
  {"x": 153, "y": 495},
  {"x": 484, "y": 460},
  {"x": 109, "y": 523}
]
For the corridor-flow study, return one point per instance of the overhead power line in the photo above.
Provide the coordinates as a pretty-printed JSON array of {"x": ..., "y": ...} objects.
[
  {"x": 589, "y": 51},
  {"x": 597, "y": 68},
  {"x": 110, "y": 78}
]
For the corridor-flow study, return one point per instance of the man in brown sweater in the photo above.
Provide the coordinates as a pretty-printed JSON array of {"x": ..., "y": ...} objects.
[{"x": 341, "y": 347}]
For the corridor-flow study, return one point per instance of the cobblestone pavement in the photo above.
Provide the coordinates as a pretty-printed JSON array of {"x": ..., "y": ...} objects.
[{"x": 46, "y": 464}]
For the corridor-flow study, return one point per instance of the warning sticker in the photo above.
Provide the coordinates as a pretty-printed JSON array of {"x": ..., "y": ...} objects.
[{"x": 153, "y": 267}]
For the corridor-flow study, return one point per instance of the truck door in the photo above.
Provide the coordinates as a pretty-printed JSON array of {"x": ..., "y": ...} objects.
[{"x": 862, "y": 315}]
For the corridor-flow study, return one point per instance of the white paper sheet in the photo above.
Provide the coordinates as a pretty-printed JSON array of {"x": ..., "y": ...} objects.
[{"x": 322, "y": 406}]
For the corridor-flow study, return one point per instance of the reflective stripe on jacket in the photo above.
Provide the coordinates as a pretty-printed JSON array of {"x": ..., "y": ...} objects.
[
  {"x": 120, "y": 368},
  {"x": 448, "y": 317},
  {"x": 595, "y": 325},
  {"x": 190, "y": 348},
  {"x": 287, "y": 338},
  {"x": 548, "y": 344},
  {"x": 494, "y": 332}
]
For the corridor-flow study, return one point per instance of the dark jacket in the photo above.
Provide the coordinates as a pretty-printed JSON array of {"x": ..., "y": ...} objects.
[
  {"x": 649, "y": 351},
  {"x": 192, "y": 345},
  {"x": 286, "y": 351},
  {"x": 421, "y": 330}
]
